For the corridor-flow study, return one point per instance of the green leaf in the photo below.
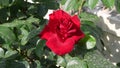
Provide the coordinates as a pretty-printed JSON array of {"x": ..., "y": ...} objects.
[
  {"x": 32, "y": 19},
  {"x": 39, "y": 48},
  {"x": 42, "y": 10},
  {"x": 10, "y": 54},
  {"x": 69, "y": 4},
  {"x": 90, "y": 18},
  {"x": 29, "y": 52},
  {"x": 117, "y": 5},
  {"x": 44, "y": 0},
  {"x": 63, "y": 2},
  {"x": 92, "y": 3},
  {"x": 51, "y": 56},
  {"x": 24, "y": 35},
  {"x": 18, "y": 22},
  {"x": 3, "y": 14},
  {"x": 94, "y": 31},
  {"x": 1, "y": 53},
  {"x": 17, "y": 64},
  {"x": 51, "y": 5},
  {"x": 6, "y": 46},
  {"x": 38, "y": 64},
  {"x": 61, "y": 61},
  {"x": 4, "y": 2},
  {"x": 90, "y": 28},
  {"x": 32, "y": 9},
  {"x": 67, "y": 57},
  {"x": 26, "y": 64},
  {"x": 15, "y": 23},
  {"x": 35, "y": 32},
  {"x": 108, "y": 3},
  {"x": 76, "y": 63},
  {"x": 7, "y": 34},
  {"x": 91, "y": 42},
  {"x": 95, "y": 59},
  {"x": 72, "y": 5}
]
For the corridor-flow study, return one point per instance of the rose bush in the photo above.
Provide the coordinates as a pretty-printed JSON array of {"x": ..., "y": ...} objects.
[
  {"x": 21, "y": 23},
  {"x": 62, "y": 32}
]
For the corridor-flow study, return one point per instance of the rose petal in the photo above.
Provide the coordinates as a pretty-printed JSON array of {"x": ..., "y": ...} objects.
[
  {"x": 76, "y": 20},
  {"x": 78, "y": 35},
  {"x": 58, "y": 47},
  {"x": 45, "y": 34},
  {"x": 58, "y": 16}
]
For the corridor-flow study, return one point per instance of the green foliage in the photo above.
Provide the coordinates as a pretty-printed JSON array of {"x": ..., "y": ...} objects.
[
  {"x": 71, "y": 62},
  {"x": 88, "y": 19},
  {"x": 39, "y": 48},
  {"x": 71, "y": 4},
  {"x": 21, "y": 22},
  {"x": 108, "y": 3},
  {"x": 76, "y": 63},
  {"x": 7, "y": 34},
  {"x": 95, "y": 60},
  {"x": 17, "y": 22},
  {"x": 92, "y": 3},
  {"x": 117, "y": 5},
  {"x": 1, "y": 53},
  {"x": 61, "y": 61},
  {"x": 4, "y": 2}
]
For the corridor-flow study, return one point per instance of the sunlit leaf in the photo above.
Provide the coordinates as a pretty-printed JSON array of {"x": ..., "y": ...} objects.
[
  {"x": 61, "y": 61},
  {"x": 92, "y": 3},
  {"x": 91, "y": 42},
  {"x": 38, "y": 64},
  {"x": 18, "y": 22},
  {"x": 67, "y": 57},
  {"x": 89, "y": 18},
  {"x": 72, "y": 5},
  {"x": 7, "y": 34},
  {"x": 76, "y": 63},
  {"x": 24, "y": 34},
  {"x": 1, "y": 53},
  {"x": 10, "y": 53}
]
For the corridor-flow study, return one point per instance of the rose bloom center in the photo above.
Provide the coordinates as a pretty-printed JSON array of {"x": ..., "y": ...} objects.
[{"x": 65, "y": 30}]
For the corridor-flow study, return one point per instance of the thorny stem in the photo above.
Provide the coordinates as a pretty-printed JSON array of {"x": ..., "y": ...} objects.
[{"x": 80, "y": 7}]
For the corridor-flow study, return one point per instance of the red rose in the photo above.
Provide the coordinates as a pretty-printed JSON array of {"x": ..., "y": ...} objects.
[{"x": 62, "y": 32}]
